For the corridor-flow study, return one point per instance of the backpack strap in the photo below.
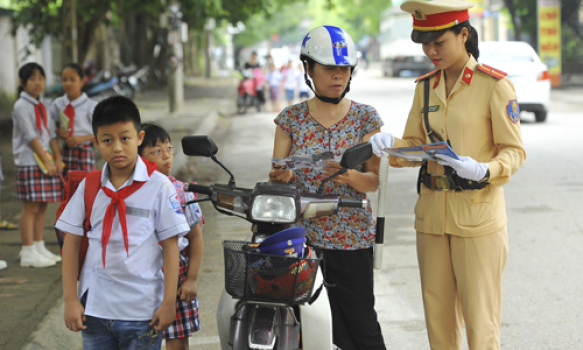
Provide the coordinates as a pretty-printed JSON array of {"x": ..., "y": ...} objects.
[{"x": 92, "y": 186}]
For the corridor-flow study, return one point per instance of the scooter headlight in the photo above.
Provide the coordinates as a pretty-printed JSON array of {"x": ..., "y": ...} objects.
[{"x": 276, "y": 209}]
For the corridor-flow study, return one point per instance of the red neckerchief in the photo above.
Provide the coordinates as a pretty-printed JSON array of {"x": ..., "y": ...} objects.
[
  {"x": 117, "y": 202},
  {"x": 41, "y": 114},
  {"x": 70, "y": 113}
]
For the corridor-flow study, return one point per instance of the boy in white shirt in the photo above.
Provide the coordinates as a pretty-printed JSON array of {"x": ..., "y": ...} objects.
[{"x": 124, "y": 301}]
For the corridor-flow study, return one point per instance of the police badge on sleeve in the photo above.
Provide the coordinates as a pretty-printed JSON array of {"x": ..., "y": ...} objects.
[{"x": 513, "y": 111}]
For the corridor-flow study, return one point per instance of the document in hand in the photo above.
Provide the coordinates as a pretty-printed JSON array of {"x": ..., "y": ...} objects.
[
  {"x": 64, "y": 121},
  {"x": 423, "y": 152},
  {"x": 312, "y": 161}
]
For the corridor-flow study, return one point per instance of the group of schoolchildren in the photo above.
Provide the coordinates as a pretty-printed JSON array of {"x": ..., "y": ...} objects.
[{"x": 135, "y": 282}]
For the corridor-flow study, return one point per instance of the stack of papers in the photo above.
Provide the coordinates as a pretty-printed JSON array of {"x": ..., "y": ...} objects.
[{"x": 423, "y": 152}]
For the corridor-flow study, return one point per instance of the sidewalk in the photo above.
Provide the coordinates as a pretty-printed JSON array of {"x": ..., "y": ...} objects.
[{"x": 31, "y": 303}]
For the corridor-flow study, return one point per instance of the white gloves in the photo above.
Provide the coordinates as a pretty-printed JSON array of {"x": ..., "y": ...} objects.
[
  {"x": 381, "y": 140},
  {"x": 466, "y": 167}
]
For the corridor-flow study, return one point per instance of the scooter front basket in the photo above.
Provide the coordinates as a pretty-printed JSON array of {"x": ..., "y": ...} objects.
[{"x": 266, "y": 277}]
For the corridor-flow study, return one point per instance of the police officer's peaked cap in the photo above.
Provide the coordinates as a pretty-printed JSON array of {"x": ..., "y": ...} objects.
[{"x": 432, "y": 17}]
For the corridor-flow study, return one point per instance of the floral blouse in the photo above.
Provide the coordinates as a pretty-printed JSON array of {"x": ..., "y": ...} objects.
[{"x": 351, "y": 228}]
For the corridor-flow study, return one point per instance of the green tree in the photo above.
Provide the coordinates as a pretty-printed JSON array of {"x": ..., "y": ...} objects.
[
  {"x": 357, "y": 17},
  {"x": 43, "y": 17}
]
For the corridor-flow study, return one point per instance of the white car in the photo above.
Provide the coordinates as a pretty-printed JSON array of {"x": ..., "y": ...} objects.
[{"x": 525, "y": 69}]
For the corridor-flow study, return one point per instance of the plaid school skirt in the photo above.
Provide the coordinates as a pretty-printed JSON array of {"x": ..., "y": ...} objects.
[
  {"x": 79, "y": 158},
  {"x": 34, "y": 186},
  {"x": 187, "y": 321}
]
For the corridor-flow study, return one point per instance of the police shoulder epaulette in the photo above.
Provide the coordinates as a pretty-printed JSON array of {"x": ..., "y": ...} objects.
[
  {"x": 427, "y": 76},
  {"x": 493, "y": 72}
]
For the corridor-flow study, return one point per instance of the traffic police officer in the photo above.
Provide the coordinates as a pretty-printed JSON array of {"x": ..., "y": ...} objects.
[{"x": 460, "y": 215}]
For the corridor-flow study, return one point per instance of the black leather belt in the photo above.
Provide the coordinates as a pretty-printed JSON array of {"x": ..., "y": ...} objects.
[{"x": 447, "y": 182}]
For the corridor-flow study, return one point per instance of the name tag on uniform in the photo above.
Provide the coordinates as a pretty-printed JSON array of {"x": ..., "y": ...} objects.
[
  {"x": 432, "y": 108},
  {"x": 137, "y": 212}
]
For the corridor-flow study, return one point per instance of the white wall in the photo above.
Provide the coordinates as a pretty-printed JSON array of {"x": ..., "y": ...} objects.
[
  {"x": 13, "y": 55},
  {"x": 8, "y": 68}
]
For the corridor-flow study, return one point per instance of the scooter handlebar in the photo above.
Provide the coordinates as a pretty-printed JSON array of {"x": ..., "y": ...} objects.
[
  {"x": 352, "y": 203},
  {"x": 199, "y": 189}
]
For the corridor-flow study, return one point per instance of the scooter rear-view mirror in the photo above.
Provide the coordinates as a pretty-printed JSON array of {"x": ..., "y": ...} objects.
[
  {"x": 199, "y": 146},
  {"x": 353, "y": 156},
  {"x": 202, "y": 145}
]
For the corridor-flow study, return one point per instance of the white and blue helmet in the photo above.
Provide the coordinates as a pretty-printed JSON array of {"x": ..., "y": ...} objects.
[{"x": 330, "y": 46}]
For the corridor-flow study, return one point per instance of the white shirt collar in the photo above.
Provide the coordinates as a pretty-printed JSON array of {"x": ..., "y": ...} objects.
[
  {"x": 25, "y": 95},
  {"x": 76, "y": 102},
  {"x": 140, "y": 174}
]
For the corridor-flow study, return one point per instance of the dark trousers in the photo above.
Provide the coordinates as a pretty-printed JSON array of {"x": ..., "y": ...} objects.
[{"x": 354, "y": 320}]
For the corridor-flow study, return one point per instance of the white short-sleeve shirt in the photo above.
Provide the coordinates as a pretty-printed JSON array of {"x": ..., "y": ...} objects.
[
  {"x": 83, "y": 106},
  {"x": 129, "y": 287},
  {"x": 290, "y": 79},
  {"x": 25, "y": 130}
]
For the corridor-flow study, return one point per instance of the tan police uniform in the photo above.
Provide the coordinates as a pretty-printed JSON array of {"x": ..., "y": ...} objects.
[{"x": 461, "y": 235}]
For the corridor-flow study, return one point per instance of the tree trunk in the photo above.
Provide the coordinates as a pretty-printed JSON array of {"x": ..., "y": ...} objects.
[
  {"x": 86, "y": 34},
  {"x": 515, "y": 19},
  {"x": 141, "y": 40}
]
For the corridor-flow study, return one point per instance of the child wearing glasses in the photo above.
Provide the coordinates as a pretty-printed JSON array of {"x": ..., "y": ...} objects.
[{"x": 156, "y": 147}]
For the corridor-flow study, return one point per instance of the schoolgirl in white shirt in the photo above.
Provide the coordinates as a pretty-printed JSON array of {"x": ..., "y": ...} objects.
[
  {"x": 34, "y": 134},
  {"x": 72, "y": 114}
]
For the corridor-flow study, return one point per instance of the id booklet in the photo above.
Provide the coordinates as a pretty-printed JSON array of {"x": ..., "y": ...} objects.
[{"x": 423, "y": 152}]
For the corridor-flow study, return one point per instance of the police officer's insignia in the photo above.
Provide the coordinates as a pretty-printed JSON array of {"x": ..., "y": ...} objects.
[
  {"x": 419, "y": 15},
  {"x": 176, "y": 204},
  {"x": 513, "y": 111},
  {"x": 432, "y": 108}
]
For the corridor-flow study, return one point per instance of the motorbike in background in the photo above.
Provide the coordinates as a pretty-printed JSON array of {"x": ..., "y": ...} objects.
[
  {"x": 269, "y": 300},
  {"x": 248, "y": 91},
  {"x": 136, "y": 79},
  {"x": 102, "y": 85}
]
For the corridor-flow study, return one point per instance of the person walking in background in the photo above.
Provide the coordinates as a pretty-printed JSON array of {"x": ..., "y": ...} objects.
[
  {"x": 303, "y": 88},
  {"x": 274, "y": 78},
  {"x": 123, "y": 300},
  {"x": 72, "y": 114},
  {"x": 253, "y": 62},
  {"x": 156, "y": 147},
  {"x": 290, "y": 82},
  {"x": 329, "y": 121},
  {"x": 460, "y": 216},
  {"x": 38, "y": 165}
]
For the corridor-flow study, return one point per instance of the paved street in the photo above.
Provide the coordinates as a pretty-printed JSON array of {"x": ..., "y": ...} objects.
[{"x": 542, "y": 279}]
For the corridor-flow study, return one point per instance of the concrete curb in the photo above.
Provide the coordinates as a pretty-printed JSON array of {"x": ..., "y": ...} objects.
[
  {"x": 205, "y": 127},
  {"x": 51, "y": 333}
]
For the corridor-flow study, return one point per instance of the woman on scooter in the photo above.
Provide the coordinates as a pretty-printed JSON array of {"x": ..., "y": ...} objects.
[{"x": 330, "y": 122}]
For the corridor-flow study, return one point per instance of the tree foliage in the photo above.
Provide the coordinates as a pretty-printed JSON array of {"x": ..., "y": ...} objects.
[
  {"x": 357, "y": 17},
  {"x": 43, "y": 17}
]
